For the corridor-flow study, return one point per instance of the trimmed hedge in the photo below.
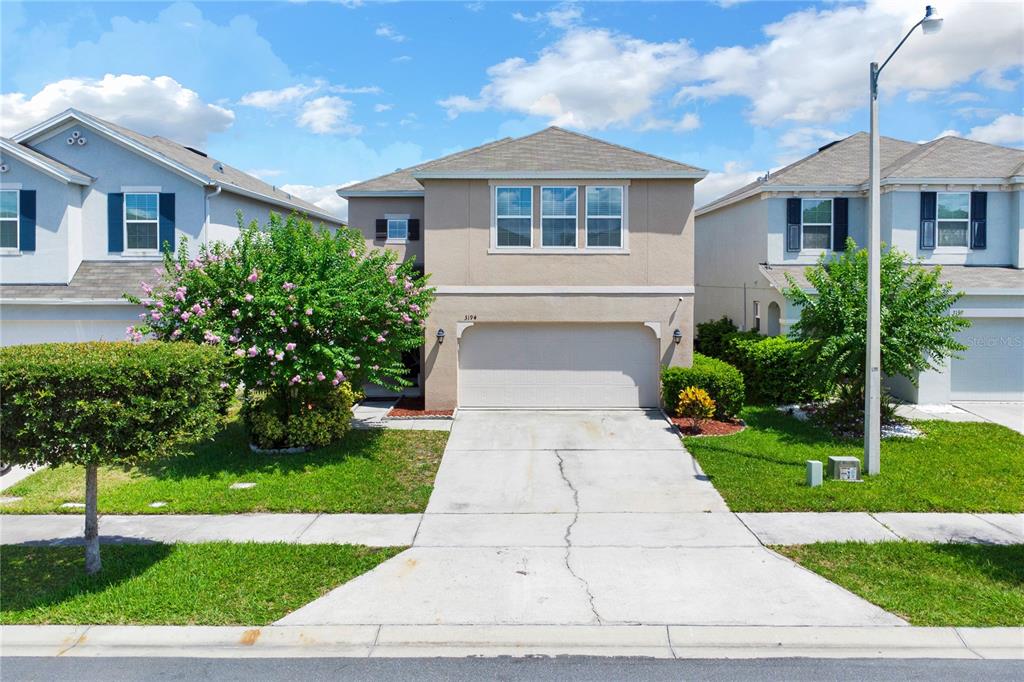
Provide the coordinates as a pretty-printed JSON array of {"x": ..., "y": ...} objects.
[
  {"x": 107, "y": 403},
  {"x": 710, "y": 339},
  {"x": 324, "y": 418},
  {"x": 776, "y": 369},
  {"x": 722, "y": 381}
]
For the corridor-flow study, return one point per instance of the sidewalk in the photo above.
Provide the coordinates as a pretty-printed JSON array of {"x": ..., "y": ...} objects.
[
  {"x": 526, "y": 530},
  {"x": 371, "y": 414}
]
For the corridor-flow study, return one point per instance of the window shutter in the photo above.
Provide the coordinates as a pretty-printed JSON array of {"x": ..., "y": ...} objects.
[
  {"x": 979, "y": 219},
  {"x": 166, "y": 231},
  {"x": 27, "y": 220},
  {"x": 382, "y": 229},
  {"x": 841, "y": 223},
  {"x": 793, "y": 224},
  {"x": 927, "y": 232},
  {"x": 115, "y": 222},
  {"x": 414, "y": 229}
]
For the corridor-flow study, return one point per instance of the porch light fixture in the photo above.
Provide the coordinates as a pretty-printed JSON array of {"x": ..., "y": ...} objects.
[
  {"x": 677, "y": 336},
  {"x": 440, "y": 336}
]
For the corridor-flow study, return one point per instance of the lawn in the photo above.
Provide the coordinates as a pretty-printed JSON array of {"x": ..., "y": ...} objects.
[
  {"x": 369, "y": 471},
  {"x": 204, "y": 584},
  {"x": 927, "y": 584},
  {"x": 955, "y": 467}
]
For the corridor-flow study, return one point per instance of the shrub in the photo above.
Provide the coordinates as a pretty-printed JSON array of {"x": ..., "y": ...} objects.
[
  {"x": 722, "y": 381},
  {"x": 106, "y": 403},
  {"x": 697, "y": 405},
  {"x": 775, "y": 369},
  {"x": 323, "y": 419},
  {"x": 709, "y": 340}
]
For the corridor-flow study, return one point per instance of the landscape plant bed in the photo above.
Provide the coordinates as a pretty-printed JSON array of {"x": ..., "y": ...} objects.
[
  {"x": 711, "y": 427},
  {"x": 203, "y": 584},
  {"x": 927, "y": 584},
  {"x": 954, "y": 467},
  {"x": 371, "y": 471},
  {"x": 413, "y": 408}
]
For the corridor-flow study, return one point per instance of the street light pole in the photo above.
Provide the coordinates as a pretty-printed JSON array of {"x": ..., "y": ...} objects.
[{"x": 931, "y": 23}]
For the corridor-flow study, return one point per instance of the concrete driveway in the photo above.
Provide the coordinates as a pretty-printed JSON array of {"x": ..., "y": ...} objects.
[
  {"x": 573, "y": 517},
  {"x": 1009, "y": 414}
]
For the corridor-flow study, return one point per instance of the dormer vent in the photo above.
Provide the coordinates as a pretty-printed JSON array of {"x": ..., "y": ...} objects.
[
  {"x": 218, "y": 166},
  {"x": 76, "y": 138}
]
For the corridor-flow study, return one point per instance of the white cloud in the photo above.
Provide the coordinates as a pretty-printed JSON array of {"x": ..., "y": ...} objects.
[
  {"x": 328, "y": 115},
  {"x": 389, "y": 32},
  {"x": 154, "y": 106},
  {"x": 807, "y": 138},
  {"x": 265, "y": 173},
  {"x": 272, "y": 99},
  {"x": 949, "y": 132},
  {"x": 560, "y": 84},
  {"x": 1007, "y": 129},
  {"x": 474, "y": 6},
  {"x": 564, "y": 15},
  {"x": 734, "y": 175},
  {"x": 401, "y": 59},
  {"x": 813, "y": 66},
  {"x": 379, "y": 108},
  {"x": 324, "y": 196},
  {"x": 360, "y": 90},
  {"x": 688, "y": 122}
]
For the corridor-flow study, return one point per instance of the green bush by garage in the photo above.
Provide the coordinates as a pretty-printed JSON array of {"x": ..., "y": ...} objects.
[{"x": 722, "y": 381}]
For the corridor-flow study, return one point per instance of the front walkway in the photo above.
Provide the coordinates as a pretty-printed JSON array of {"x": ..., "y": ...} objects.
[
  {"x": 576, "y": 518},
  {"x": 1009, "y": 414}
]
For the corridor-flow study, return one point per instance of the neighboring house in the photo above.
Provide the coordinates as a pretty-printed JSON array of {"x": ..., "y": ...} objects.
[
  {"x": 951, "y": 202},
  {"x": 86, "y": 206},
  {"x": 563, "y": 266}
]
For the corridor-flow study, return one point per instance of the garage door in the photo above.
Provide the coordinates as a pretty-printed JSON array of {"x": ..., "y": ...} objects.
[
  {"x": 993, "y": 366},
  {"x": 558, "y": 365}
]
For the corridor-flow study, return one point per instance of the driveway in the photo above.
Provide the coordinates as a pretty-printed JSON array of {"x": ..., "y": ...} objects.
[
  {"x": 1009, "y": 414},
  {"x": 582, "y": 517}
]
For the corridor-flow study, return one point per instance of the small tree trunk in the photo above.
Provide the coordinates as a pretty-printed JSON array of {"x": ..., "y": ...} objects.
[{"x": 92, "y": 525}]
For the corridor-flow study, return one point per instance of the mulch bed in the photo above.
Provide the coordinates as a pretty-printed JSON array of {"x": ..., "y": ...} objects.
[
  {"x": 412, "y": 408},
  {"x": 712, "y": 427}
]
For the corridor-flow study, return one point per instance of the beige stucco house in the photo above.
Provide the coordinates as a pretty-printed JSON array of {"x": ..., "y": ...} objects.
[{"x": 563, "y": 267}]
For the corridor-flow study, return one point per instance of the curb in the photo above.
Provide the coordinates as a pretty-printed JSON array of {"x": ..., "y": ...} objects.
[{"x": 653, "y": 641}]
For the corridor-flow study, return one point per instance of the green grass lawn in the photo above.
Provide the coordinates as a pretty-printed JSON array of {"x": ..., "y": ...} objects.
[
  {"x": 370, "y": 471},
  {"x": 926, "y": 584},
  {"x": 205, "y": 584},
  {"x": 955, "y": 467}
]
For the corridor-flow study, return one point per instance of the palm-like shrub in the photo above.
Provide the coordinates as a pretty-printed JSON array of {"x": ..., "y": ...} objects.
[{"x": 695, "y": 404}]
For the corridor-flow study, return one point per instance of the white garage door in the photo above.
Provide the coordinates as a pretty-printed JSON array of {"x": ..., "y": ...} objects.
[
  {"x": 993, "y": 366},
  {"x": 558, "y": 365}
]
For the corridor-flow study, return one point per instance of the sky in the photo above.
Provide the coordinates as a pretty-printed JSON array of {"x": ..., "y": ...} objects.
[{"x": 311, "y": 96}]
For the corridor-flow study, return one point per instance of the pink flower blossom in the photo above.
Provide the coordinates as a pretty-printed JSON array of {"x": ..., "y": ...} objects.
[
  {"x": 408, "y": 285},
  {"x": 380, "y": 339},
  {"x": 392, "y": 279},
  {"x": 148, "y": 290},
  {"x": 320, "y": 376},
  {"x": 270, "y": 352},
  {"x": 309, "y": 311},
  {"x": 279, "y": 356},
  {"x": 375, "y": 368},
  {"x": 236, "y": 312},
  {"x": 296, "y": 379},
  {"x": 253, "y": 351},
  {"x": 185, "y": 315},
  {"x": 176, "y": 333},
  {"x": 415, "y": 308},
  {"x": 210, "y": 337},
  {"x": 155, "y": 316},
  {"x": 287, "y": 286},
  {"x": 253, "y": 276},
  {"x": 233, "y": 339},
  {"x": 289, "y": 346},
  {"x": 197, "y": 309},
  {"x": 158, "y": 304},
  {"x": 239, "y": 352},
  {"x": 295, "y": 323},
  {"x": 352, "y": 253},
  {"x": 223, "y": 384},
  {"x": 133, "y": 334},
  {"x": 179, "y": 294},
  {"x": 248, "y": 298}
]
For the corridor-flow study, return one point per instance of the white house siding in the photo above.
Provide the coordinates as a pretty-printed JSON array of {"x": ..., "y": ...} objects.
[
  {"x": 46, "y": 323},
  {"x": 775, "y": 209}
]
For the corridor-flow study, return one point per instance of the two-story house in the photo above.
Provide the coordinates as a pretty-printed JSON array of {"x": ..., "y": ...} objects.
[
  {"x": 563, "y": 267},
  {"x": 951, "y": 202},
  {"x": 86, "y": 207}
]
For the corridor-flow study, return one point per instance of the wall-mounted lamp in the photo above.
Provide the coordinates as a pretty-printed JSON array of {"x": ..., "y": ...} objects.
[
  {"x": 677, "y": 336},
  {"x": 440, "y": 336}
]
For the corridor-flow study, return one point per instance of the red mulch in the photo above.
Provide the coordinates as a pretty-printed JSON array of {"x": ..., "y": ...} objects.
[
  {"x": 712, "y": 427},
  {"x": 413, "y": 407}
]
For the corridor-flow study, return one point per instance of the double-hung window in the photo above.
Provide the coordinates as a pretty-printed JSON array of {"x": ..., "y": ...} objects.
[
  {"x": 953, "y": 215},
  {"x": 398, "y": 229},
  {"x": 558, "y": 216},
  {"x": 142, "y": 222},
  {"x": 513, "y": 214},
  {"x": 9, "y": 211},
  {"x": 817, "y": 224},
  {"x": 604, "y": 217}
]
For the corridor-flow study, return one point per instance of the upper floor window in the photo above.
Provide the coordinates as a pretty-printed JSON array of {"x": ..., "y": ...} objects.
[
  {"x": 816, "y": 219},
  {"x": 604, "y": 217},
  {"x": 513, "y": 212},
  {"x": 9, "y": 211},
  {"x": 558, "y": 216},
  {"x": 398, "y": 229},
  {"x": 953, "y": 215},
  {"x": 142, "y": 221}
]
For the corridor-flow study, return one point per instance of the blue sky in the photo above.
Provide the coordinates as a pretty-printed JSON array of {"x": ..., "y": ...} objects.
[{"x": 315, "y": 94}]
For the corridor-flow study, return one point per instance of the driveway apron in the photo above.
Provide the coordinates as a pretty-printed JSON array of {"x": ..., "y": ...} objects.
[{"x": 582, "y": 517}]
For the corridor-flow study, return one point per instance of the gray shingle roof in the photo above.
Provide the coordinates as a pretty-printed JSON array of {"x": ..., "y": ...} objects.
[
  {"x": 57, "y": 166},
  {"x": 94, "y": 281},
  {"x": 963, "y": 277},
  {"x": 956, "y": 157}
]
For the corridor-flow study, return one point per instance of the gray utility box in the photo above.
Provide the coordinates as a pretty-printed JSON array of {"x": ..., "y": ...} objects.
[{"x": 844, "y": 468}]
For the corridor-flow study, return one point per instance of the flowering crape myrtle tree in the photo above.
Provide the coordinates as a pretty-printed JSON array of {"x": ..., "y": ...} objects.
[{"x": 305, "y": 313}]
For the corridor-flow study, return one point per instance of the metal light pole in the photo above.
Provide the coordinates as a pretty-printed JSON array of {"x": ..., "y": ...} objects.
[{"x": 931, "y": 23}]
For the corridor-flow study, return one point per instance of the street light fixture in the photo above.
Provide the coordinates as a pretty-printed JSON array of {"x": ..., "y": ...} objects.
[{"x": 930, "y": 23}]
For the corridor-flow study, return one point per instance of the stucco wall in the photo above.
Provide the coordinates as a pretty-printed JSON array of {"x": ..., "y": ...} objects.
[
  {"x": 776, "y": 210},
  {"x": 45, "y": 323},
  {"x": 363, "y": 212}
]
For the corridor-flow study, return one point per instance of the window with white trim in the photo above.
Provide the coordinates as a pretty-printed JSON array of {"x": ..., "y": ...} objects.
[
  {"x": 398, "y": 229},
  {"x": 558, "y": 216},
  {"x": 816, "y": 224},
  {"x": 513, "y": 217},
  {"x": 604, "y": 217},
  {"x": 757, "y": 316},
  {"x": 9, "y": 220},
  {"x": 142, "y": 221},
  {"x": 952, "y": 218}
]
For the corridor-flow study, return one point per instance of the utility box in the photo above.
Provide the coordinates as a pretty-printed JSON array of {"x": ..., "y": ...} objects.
[
  {"x": 813, "y": 473},
  {"x": 844, "y": 468}
]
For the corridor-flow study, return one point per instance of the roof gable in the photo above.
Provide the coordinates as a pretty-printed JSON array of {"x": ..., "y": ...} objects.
[{"x": 44, "y": 163}]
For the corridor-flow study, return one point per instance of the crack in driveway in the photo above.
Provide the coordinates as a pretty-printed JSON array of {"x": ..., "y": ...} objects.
[{"x": 568, "y": 537}]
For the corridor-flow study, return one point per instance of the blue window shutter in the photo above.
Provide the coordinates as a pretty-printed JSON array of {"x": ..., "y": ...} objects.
[
  {"x": 841, "y": 223},
  {"x": 115, "y": 222},
  {"x": 167, "y": 222},
  {"x": 27, "y": 220},
  {"x": 979, "y": 219},
  {"x": 793, "y": 207},
  {"x": 927, "y": 232}
]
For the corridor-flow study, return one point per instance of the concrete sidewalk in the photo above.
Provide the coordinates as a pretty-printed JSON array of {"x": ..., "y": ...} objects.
[{"x": 666, "y": 641}]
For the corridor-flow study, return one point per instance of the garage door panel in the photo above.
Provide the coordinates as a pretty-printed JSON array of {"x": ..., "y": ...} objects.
[
  {"x": 992, "y": 367},
  {"x": 558, "y": 365}
]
